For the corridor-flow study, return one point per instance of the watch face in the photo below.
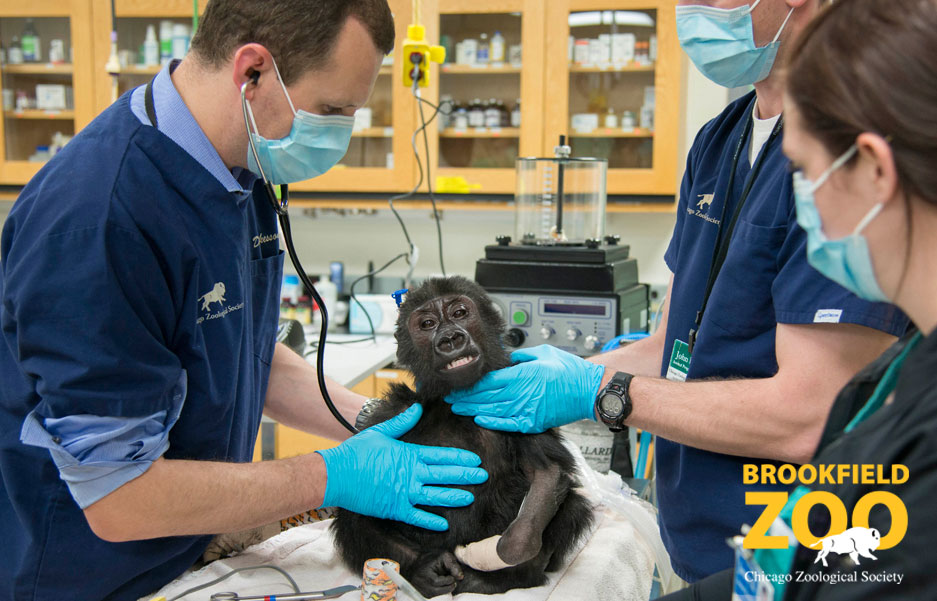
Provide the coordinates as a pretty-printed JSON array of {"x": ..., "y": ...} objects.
[{"x": 611, "y": 405}]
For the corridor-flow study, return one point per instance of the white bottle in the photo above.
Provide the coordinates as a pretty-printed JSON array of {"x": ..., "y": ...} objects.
[
  {"x": 329, "y": 293},
  {"x": 180, "y": 40},
  {"x": 611, "y": 119},
  {"x": 150, "y": 47},
  {"x": 483, "y": 53},
  {"x": 496, "y": 54}
]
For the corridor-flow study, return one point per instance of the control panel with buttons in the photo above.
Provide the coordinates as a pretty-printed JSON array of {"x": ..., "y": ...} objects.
[{"x": 577, "y": 324}]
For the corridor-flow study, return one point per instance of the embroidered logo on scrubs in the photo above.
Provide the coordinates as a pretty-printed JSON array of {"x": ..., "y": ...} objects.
[
  {"x": 703, "y": 202},
  {"x": 216, "y": 295}
]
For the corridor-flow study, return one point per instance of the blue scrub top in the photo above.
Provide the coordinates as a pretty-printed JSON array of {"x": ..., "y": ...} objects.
[
  {"x": 127, "y": 268},
  {"x": 766, "y": 280}
]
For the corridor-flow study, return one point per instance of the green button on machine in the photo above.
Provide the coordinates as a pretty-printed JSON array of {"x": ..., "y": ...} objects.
[{"x": 519, "y": 317}]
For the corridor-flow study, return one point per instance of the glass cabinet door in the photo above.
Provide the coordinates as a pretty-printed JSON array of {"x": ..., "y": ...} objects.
[
  {"x": 613, "y": 70},
  {"x": 44, "y": 82},
  {"x": 490, "y": 91},
  {"x": 149, "y": 34}
]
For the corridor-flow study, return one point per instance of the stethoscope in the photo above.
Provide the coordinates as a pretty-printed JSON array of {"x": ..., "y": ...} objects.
[{"x": 280, "y": 208}]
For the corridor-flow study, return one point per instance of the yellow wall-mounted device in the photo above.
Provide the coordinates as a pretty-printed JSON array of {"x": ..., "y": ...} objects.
[{"x": 417, "y": 55}]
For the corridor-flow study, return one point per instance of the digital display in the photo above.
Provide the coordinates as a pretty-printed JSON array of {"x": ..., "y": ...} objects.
[{"x": 568, "y": 309}]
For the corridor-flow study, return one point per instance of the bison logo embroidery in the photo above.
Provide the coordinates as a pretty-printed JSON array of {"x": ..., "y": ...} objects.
[
  {"x": 855, "y": 541},
  {"x": 215, "y": 296}
]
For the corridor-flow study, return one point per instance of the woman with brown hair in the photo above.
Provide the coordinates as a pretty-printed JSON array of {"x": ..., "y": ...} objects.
[{"x": 861, "y": 132}]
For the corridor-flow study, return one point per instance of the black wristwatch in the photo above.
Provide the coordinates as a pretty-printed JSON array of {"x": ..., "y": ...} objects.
[{"x": 613, "y": 404}]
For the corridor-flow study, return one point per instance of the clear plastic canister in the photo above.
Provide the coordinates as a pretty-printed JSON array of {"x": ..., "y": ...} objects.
[{"x": 560, "y": 200}]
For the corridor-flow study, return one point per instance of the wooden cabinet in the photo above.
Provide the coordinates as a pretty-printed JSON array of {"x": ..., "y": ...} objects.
[
  {"x": 617, "y": 60},
  {"x": 44, "y": 102},
  {"x": 537, "y": 68},
  {"x": 483, "y": 152}
]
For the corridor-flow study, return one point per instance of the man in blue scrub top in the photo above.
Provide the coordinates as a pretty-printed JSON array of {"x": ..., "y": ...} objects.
[
  {"x": 775, "y": 340},
  {"x": 140, "y": 282}
]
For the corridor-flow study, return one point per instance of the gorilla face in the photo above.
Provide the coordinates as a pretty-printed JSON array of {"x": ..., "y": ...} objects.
[
  {"x": 449, "y": 335},
  {"x": 445, "y": 329}
]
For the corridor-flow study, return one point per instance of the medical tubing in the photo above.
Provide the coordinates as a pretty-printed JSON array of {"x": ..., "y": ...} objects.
[
  {"x": 320, "y": 353},
  {"x": 429, "y": 177},
  {"x": 416, "y": 188},
  {"x": 195, "y": 589},
  {"x": 355, "y": 298}
]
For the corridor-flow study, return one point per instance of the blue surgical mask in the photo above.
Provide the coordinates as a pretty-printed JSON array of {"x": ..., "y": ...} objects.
[
  {"x": 314, "y": 145},
  {"x": 721, "y": 43},
  {"x": 846, "y": 261}
]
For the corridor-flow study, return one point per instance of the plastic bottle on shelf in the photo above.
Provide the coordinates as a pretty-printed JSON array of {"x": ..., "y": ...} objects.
[
  {"x": 516, "y": 114},
  {"x": 32, "y": 52},
  {"x": 496, "y": 53},
  {"x": 165, "y": 41},
  {"x": 476, "y": 114},
  {"x": 483, "y": 53},
  {"x": 150, "y": 47},
  {"x": 627, "y": 122},
  {"x": 611, "y": 119},
  {"x": 180, "y": 40},
  {"x": 460, "y": 119},
  {"x": 652, "y": 50},
  {"x": 15, "y": 52}
]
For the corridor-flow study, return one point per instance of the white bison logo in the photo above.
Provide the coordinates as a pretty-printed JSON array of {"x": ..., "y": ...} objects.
[
  {"x": 855, "y": 541},
  {"x": 215, "y": 296}
]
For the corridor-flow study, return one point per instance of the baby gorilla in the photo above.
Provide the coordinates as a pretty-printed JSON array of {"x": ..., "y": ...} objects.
[{"x": 449, "y": 335}]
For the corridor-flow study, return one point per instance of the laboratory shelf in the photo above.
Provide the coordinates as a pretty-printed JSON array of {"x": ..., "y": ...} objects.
[
  {"x": 38, "y": 69},
  {"x": 612, "y": 69},
  {"x": 479, "y": 69},
  {"x": 140, "y": 70},
  {"x": 374, "y": 132},
  {"x": 613, "y": 133},
  {"x": 38, "y": 114},
  {"x": 481, "y": 132}
]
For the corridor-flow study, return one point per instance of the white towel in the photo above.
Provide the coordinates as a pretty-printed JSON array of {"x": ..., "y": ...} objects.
[{"x": 614, "y": 563}]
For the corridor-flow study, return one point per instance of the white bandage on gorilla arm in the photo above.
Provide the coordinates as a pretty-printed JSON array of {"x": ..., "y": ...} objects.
[{"x": 482, "y": 555}]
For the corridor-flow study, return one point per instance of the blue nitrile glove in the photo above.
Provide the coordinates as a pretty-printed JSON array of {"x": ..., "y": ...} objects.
[
  {"x": 546, "y": 388},
  {"x": 373, "y": 474}
]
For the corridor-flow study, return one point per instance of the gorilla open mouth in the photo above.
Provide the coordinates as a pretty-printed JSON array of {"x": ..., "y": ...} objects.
[{"x": 461, "y": 362}]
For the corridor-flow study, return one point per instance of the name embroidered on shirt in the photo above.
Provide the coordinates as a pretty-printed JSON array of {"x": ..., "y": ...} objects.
[
  {"x": 264, "y": 238},
  {"x": 828, "y": 316}
]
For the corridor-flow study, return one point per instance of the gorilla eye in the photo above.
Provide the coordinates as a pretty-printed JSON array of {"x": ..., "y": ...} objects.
[
  {"x": 460, "y": 313},
  {"x": 427, "y": 324}
]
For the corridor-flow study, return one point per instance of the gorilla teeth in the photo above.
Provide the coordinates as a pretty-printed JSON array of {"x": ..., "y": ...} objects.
[{"x": 460, "y": 362}]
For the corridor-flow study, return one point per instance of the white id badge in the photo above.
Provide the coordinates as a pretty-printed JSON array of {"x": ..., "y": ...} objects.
[{"x": 679, "y": 365}]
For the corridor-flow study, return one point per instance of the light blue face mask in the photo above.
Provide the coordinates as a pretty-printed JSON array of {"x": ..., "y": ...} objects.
[
  {"x": 721, "y": 43},
  {"x": 845, "y": 261},
  {"x": 314, "y": 145}
]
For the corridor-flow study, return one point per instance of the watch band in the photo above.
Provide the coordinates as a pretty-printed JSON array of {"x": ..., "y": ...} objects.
[{"x": 618, "y": 387}]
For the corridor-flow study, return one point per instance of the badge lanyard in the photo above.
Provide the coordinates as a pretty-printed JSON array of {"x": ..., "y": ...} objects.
[{"x": 723, "y": 239}]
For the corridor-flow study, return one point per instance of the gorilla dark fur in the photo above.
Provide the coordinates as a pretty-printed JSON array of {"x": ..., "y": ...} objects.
[{"x": 442, "y": 321}]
